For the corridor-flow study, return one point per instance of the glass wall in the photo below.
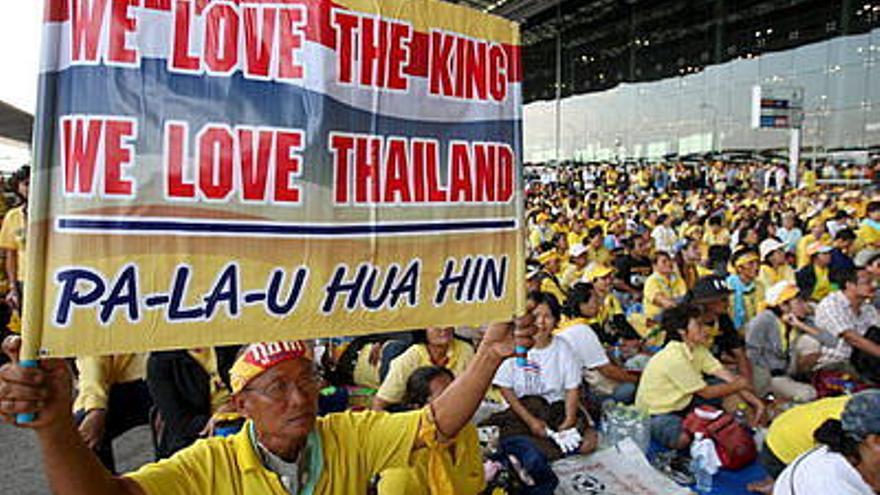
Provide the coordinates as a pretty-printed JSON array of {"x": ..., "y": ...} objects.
[{"x": 710, "y": 109}]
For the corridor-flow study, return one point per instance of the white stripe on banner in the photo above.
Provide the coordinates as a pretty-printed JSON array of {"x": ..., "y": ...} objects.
[{"x": 154, "y": 39}]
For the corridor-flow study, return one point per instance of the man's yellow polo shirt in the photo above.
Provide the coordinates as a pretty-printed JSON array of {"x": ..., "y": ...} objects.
[
  {"x": 402, "y": 367},
  {"x": 656, "y": 284},
  {"x": 355, "y": 448},
  {"x": 673, "y": 376}
]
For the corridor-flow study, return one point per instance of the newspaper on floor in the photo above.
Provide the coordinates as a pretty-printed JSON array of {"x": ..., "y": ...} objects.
[{"x": 620, "y": 470}]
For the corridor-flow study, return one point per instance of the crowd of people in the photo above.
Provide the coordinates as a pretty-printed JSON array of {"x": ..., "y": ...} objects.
[{"x": 686, "y": 292}]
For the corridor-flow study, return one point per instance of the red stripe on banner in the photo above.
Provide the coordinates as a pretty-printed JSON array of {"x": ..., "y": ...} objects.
[
  {"x": 318, "y": 30},
  {"x": 56, "y": 11}
]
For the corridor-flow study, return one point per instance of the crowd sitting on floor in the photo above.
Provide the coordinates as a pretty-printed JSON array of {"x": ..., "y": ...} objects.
[{"x": 694, "y": 297}]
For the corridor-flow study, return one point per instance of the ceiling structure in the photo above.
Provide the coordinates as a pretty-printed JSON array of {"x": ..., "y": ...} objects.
[
  {"x": 607, "y": 42},
  {"x": 15, "y": 124}
]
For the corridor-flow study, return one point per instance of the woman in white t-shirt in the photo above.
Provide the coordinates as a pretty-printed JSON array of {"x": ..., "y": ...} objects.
[
  {"x": 848, "y": 460},
  {"x": 543, "y": 392}
]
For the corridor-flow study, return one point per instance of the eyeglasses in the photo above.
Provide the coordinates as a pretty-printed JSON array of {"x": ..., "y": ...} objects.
[{"x": 280, "y": 390}]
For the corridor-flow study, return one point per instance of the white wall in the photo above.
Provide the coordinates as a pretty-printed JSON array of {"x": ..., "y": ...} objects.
[{"x": 841, "y": 79}]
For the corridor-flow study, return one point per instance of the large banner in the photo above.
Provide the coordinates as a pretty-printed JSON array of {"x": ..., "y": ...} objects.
[{"x": 212, "y": 172}]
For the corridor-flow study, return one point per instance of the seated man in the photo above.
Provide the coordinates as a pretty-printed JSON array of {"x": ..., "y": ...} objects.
[
  {"x": 770, "y": 339},
  {"x": 435, "y": 346},
  {"x": 847, "y": 314},
  {"x": 283, "y": 448},
  {"x": 673, "y": 382}
]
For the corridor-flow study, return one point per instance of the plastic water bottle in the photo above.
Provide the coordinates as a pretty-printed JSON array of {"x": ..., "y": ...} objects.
[{"x": 702, "y": 476}]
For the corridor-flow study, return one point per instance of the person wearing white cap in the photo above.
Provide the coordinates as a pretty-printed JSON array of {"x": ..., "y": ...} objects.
[
  {"x": 577, "y": 262},
  {"x": 813, "y": 279},
  {"x": 774, "y": 267},
  {"x": 770, "y": 343}
]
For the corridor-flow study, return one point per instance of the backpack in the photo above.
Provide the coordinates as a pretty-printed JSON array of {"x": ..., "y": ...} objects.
[{"x": 733, "y": 442}]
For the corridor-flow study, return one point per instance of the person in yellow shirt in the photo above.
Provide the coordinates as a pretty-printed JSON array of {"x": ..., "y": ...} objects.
[
  {"x": 434, "y": 347},
  {"x": 13, "y": 240},
  {"x": 465, "y": 467},
  {"x": 577, "y": 262},
  {"x": 674, "y": 378},
  {"x": 663, "y": 288},
  {"x": 596, "y": 251},
  {"x": 113, "y": 398},
  {"x": 868, "y": 235},
  {"x": 775, "y": 267},
  {"x": 715, "y": 235},
  {"x": 283, "y": 447},
  {"x": 816, "y": 226},
  {"x": 577, "y": 233},
  {"x": 791, "y": 434},
  {"x": 813, "y": 279},
  {"x": 547, "y": 275}
]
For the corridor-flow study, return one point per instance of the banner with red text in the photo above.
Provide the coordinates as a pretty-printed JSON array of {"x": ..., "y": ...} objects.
[{"x": 215, "y": 172}]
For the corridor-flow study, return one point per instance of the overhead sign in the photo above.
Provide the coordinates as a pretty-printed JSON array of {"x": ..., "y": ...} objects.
[
  {"x": 214, "y": 172},
  {"x": 777, "y": 107}
]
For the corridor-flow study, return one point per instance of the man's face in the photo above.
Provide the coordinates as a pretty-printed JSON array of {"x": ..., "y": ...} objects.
[
  {"x": 748, "y": 271},
  {"x": 603, "y": 284},
  {"x": 777, "y": 258},
  {"x": 282, "y": 402},
  {"x": 24, "y": 187},
  {"x": 717, "y": 306},
  {"x": 866, "y": 285},
  {"x": 664, "y": 266},
  {"x": 823, "y": 259}
]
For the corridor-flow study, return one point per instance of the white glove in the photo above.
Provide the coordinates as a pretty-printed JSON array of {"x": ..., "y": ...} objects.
[{"x": 568, "y": 440}]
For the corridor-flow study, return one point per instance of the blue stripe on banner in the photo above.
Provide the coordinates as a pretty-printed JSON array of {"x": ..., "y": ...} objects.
[
  {"x": 195, "y": 227},
  {"x": 154, "y": 95}
]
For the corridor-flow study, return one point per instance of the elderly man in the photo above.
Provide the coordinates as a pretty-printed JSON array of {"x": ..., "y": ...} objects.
[{"x": 283, "y": 448}]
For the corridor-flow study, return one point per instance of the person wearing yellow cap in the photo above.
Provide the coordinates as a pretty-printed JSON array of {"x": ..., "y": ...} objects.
[
  {"x": 283, "y": 447},
  {"x": 813, "y": 279},
  {"x": 547, "y": 276},
  {"x": 770, "y": 343},
  {"x": 609, "y": 322},
  {"x": 746, "y": 293}
]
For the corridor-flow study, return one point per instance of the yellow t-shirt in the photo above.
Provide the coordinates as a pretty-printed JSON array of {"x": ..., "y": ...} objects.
[
  {"x": 769, "y": 276},
  {"x": 672, "y": 377},
  {"x": 610, "y": 307},
  {"x": 366, "y": 374},
  {"x": 13, "y": 236},
  {"x": 575, "y": 238},
  {"x": 394, "y": 386},
  {"x": 791, "y": 434},
  {"x": 823, "y": 284},
  {"x": 601, "y": 256},
  {"x": 657, "y": 284},
  {"x": 464, "y": 463},
  {"x": 867, "y": 237},
  {"x": 355, "y": 447},
  {"x": 98, "y": 374}
]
